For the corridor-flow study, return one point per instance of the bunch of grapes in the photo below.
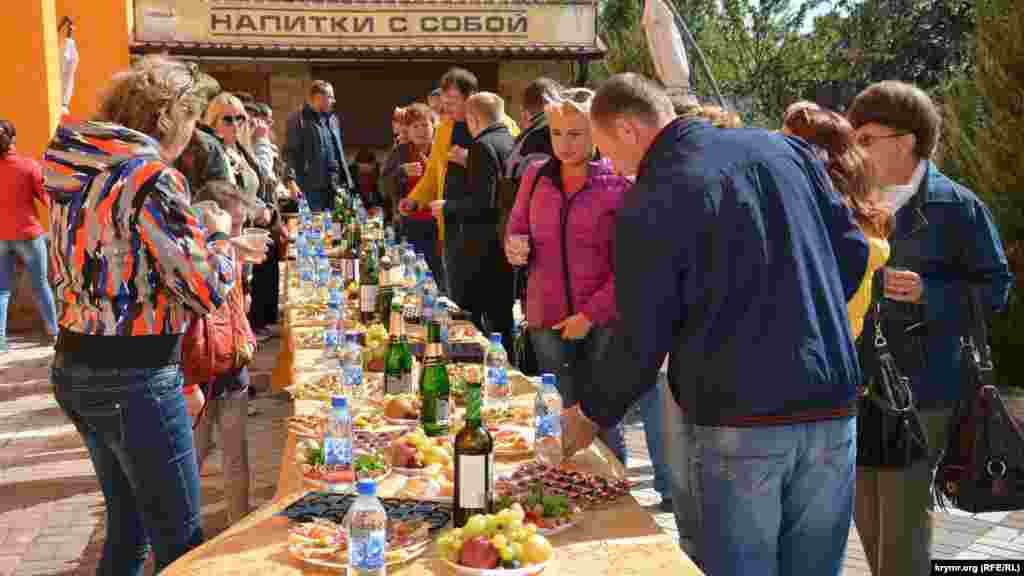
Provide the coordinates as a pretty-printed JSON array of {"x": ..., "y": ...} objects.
[{"x": 517, "y": 543}]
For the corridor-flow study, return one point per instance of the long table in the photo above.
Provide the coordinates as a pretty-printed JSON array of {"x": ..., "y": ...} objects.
[{"x": 619, "y": 539}]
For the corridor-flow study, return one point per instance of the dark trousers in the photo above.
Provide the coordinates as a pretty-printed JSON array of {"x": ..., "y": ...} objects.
[
  {"x": 320, "y": 200},
  {"x": 488, "y": 298},
  {"x": 265, "y": 291},
  {"x": 139, "y": 436}
]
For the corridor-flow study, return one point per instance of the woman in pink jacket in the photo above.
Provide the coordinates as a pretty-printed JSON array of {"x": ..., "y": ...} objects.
[{"x": 562, "y": 228}]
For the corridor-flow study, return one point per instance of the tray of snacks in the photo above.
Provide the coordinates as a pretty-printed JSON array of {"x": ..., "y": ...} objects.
[
  {"x": 365, "y": 465},
  {"x": 551, "y": 513},
  {"x": 319, "y": 539},
  {"x": 308, "y": 315},
  {"x": 433, "y": 485},
  {"x": 501, "y": 544},
  {"x": 512, "y": 441},
  {"x": 371, "y": 440},
  {"x": 584, "y": 490},
  {"x": 316, "y": 386},
  {"x": 513, "y": 414}
]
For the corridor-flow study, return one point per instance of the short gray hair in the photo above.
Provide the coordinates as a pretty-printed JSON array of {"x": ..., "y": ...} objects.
[{"x": 630, "y": 95}]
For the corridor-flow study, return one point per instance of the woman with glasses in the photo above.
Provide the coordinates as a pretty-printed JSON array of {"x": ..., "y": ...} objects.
[
  {"x": 226, "y": 115},
  {"x": 132, "y": 265},
  {"x": 943, "y": 241},
  {"x": 562, "y": 229}
]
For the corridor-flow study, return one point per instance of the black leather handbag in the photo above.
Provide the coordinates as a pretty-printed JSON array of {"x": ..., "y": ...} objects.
[
  {"x": 982, "y": 468},
  {"x": 890, "y": 432}
]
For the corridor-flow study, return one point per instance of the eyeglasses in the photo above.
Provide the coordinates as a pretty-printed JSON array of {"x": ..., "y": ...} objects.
[
  {"x": 232, "y": 120},
  {"x": 578, "y": 98},
  {"x": 868, "y": 140}
]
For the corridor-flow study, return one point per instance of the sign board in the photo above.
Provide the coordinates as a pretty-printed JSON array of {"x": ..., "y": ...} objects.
[{"x": 572, "y": 23}]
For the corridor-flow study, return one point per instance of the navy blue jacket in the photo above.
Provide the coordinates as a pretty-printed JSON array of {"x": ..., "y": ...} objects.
[
  {"x": 946, "y": 235},
  {"x": 733, "y": 253},
  {"x": 305, "y": 154}
]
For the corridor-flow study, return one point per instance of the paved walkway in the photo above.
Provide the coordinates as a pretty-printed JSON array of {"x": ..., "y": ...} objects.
[{"x": 51, "y": 511}]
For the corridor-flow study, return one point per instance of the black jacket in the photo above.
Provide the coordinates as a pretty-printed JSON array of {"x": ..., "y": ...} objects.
[
  {"x": 534, "y": 143},
  {"x": 203, "y": 160},
  {"x": 472, "y": 218},
  {"x": 306, "y": 158}
]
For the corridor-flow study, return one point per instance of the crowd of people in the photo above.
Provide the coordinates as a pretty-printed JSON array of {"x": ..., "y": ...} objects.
[{"x": 657, "y": 246}]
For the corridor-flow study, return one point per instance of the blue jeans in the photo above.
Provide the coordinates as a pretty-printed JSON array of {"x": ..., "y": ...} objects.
[
  {"x": 571, "y": 362},
  {"x": 776, "y": 500},
  {"x": 32, "y": 254},
  {"x": 139, "y": 436},
  {"x": 652, "y": 407}
]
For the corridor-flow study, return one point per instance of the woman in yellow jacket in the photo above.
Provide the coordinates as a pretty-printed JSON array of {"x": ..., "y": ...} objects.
[{"x": 848, "y": 166}]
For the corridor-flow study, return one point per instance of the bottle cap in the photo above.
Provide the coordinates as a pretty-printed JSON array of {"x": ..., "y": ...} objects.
[
  {"x": 496, "y": 338},
  {"x": 549, "y": 378},
  {"x": 339, "y": 402},
  {"x": 366, "y": 488}
]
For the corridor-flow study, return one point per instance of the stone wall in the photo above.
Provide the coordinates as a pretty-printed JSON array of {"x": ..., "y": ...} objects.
[
  {"x": 514, "y": 76},
  {"x": 289, "y": 85}
]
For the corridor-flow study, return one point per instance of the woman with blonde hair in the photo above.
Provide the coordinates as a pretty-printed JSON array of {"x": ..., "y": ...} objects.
[
  {"x": 132, "y": 266},
  {"x": 562, "y": 230},
  {"x": 232, "y": 125}
]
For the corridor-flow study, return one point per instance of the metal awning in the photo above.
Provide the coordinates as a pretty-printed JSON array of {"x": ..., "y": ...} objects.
[{"x": 531, "y": 51}]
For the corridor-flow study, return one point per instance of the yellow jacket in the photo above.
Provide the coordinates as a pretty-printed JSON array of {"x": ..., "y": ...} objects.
[
  {"x": 431, "y": 185},
  {"x": 857, "y": 307}
]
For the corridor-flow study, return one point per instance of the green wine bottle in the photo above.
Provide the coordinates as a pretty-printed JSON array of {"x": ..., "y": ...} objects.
[
  {"x": 369, "y": 281},
  {"x": 435, "y": 391},
  {"x": 474, "y": 463},
  {"x": 397, "y": 359}
]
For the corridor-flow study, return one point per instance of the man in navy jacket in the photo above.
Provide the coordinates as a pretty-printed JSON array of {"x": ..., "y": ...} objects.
[{"x": 734, "y": 254}]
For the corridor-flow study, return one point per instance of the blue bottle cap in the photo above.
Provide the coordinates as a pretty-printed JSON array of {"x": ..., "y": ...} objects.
[
  {"x": 339, "y": 402},
  {"x": 496, "y": 338},
  {"x": 549, "y": 379},
  {"x": 366, "y": 488}
]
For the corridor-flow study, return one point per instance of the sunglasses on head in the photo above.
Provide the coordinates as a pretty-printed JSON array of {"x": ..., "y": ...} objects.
[{"x": 238, "y": 119}]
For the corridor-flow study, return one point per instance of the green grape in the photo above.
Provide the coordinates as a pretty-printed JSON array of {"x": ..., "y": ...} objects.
[
  {"x": 519, "y": 535},
  {"x": 531, "y": 528},
  {"x": 499, "y": 541},
  {"x": 474, "y": 527},
  {"x": 515, "y": 523},
  {"x": 515, "y": 551},
  {"x": 493, "y": 523}
]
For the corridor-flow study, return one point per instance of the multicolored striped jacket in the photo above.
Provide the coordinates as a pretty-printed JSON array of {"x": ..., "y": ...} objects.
[{"x": 128, "y": 256}]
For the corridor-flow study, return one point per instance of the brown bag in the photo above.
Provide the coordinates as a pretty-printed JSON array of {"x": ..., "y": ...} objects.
[{"x": 220, "y": 342}]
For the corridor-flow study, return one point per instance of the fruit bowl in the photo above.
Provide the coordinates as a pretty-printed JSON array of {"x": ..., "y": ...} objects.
[{"x": 524, "y": 571}]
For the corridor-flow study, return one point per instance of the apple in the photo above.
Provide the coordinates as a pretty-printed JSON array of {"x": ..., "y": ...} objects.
[{"x": 479, "y": 553}]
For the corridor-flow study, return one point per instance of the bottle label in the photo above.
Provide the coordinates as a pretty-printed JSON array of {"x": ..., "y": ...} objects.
[
  {"x": 354, "y": 377},
  {"x": 331, "y": 338},
  {"x": 497, "y": 380},
  {"x": 366, "y": 549},
  {"x": 549, "y": 426},
  {"x": 474, "y": 478},
  {"x": 441, "y": 411},
  {"x": 337, "y": 451},
  {"x": 367, "y": 298},
  {"x": 398, "y": 383}
]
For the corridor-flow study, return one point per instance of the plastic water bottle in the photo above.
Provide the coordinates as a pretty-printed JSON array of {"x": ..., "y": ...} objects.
[
  {"x": 496, "y": 384},
  {"x": 443, "y": 317},
  {"x": 352, "y": 370},
  {"x": 367, "y": 525},
  {"x": 421, "y": 268},
  {"x": 338, "y": 446},
  {"x": 331, "y": 340},
  {"x": 335, "y": 289},
  {"x": 429, "y": 298},
  {"x": 547, "y": 421},
  {"x": 323, "y": 274}
]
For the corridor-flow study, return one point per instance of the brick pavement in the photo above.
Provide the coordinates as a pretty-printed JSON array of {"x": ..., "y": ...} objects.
[{"x": 51, "y": 512}]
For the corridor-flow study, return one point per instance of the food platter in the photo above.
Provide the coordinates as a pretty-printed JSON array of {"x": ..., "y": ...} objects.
[
  {"x": 393, "y": 557},
  {"x": 530, "y": 570},
  {"x": 512, "y": 441}
]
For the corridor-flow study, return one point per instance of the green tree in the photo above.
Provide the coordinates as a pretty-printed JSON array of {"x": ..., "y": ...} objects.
[{"x": 984, "y": 147}]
